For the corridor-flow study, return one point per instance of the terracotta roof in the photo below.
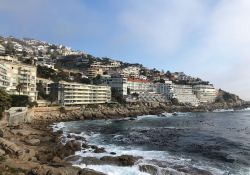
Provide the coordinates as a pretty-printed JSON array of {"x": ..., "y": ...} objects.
[{"x": 138, "y": 80}]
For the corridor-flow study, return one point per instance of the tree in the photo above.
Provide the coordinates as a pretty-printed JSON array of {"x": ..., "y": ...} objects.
[
  {"x": 5, "y": 100},
  {"x": 52, "y": 98},
  {"x": 128, "y": 91},
  {"x": 54, "y": 47},
  {"x": 85, "y": 81},
  {"x": 25, "y": 53},
  {"x": 116, "y": 94},
  {"x": 19, "y": 88},
  {"x": 162, "y": 81},
  {"x": 40, "y": 54}
]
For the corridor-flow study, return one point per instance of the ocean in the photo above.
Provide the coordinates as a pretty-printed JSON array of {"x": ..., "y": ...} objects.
[{"x": 217, "y": 142}]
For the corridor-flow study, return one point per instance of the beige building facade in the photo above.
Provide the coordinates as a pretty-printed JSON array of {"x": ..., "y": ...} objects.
[{"x": 19, "y": 73}]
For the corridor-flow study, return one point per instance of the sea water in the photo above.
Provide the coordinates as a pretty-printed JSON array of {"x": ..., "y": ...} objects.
[{"x": 218, "y": 142}]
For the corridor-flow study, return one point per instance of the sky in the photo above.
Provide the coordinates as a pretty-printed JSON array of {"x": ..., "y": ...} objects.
[{"x": 205, "y": 39}]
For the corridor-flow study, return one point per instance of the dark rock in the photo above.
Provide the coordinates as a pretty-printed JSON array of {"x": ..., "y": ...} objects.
[
  {"x": 77, "y": 146},
  {"x": 87, "y": 171},
  {"x": 99, "y": 150},
  {"x": 60, "y": 131},
  {"x": 85, "y": 145}
]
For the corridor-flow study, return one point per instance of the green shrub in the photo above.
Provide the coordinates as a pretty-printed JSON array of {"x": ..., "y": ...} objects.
[
  {"x": 19, "y": 100},
  {"x": 62, "y": 110},
  {"x": 110, "y": 105},
  {"x": 92, "y": 106},
  {"x": 32, "y": 104}
]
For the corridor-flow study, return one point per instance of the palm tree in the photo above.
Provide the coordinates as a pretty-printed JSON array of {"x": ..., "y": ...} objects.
[{"x": 19, "y": 88}]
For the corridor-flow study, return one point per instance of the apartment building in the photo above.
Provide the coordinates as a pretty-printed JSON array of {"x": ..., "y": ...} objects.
[
  {"x": 139, "y": 85},
  {"x": 21, "y": 73},
  {"x": 18, "y": 47},
  {"x": 93, "y": 72},
  {"x": 2, "y": 49},
  {"x": 184, "y": 93},
  {"x": 205, "y": 93},
  {"x": 77, "y": 94},
  {"x": 104, "y": 66},
  {"x": 119, "y": 83},
  {"x": 45, "y": 83},
  {"x": 4, "y": 81}
]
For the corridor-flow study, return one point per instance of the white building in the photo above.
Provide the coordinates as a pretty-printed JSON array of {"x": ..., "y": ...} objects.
[
  {"x": 4, "y": 81},
  {"x": 143, "y": 77},
  {"x": 24, "y": 74},
  {"x": 77, "y": 94},
  {"x": 2, "y": 49},
  {"x": 46, "y": 64},
  {"x": 18, "y": 47},
  {"x": 119, "y": 83},
  {"x": 139, "y": 85},
  {"x": 184, "y": 93},
  {"x": 131, "y": 69},
  {"x": 205, "y": 93}
]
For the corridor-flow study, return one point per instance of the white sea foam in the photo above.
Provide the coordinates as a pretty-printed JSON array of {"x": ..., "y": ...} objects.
[
  {"x": 223, "y": 110},
  {"x": 147, "y": 116},
  {"x": 114, "y": 170}
]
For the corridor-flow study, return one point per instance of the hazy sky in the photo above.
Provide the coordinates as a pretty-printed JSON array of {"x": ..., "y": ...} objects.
[{"x": 209, "y": 39}]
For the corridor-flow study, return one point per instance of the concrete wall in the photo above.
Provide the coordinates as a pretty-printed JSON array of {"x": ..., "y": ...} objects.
[
  {"x": 19, "y": 117},
  {"x": 46, "y": 110}
]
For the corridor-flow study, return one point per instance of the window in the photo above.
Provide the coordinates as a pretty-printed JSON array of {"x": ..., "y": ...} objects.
[{"x": 14, "y": 84}]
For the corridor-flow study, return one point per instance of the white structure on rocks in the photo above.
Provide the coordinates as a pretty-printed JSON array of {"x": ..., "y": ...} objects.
[
  {"x": 184, "y": 93},
  {"x": 120, "y": 84},
  {"x": 205, "y": 93}
]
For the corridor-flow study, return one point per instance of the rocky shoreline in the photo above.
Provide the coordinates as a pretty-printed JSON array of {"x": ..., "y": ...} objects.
[{"x": 34, "y": 149}]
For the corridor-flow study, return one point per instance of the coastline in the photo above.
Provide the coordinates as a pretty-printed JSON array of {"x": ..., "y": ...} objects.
[{"x": 24, "y": 152}]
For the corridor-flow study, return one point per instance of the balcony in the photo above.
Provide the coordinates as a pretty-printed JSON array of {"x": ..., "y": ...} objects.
[
  {"x": 24, "y": 72},
  {"x": 2, "y": 72}
]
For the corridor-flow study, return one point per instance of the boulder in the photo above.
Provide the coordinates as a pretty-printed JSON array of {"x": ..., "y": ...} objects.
[
  {"x": 56, "y": 159},
  {"x": 60, "y": 131},
  {"x": 24, "y": 165},
  {"x": 87, "y": 171},
  {"x": 124, "y": 160},
  {"x": 112, "y": 112},
  {"x": 175, "y": 101},
  {"x": 85, "y": 145},
  {"x": 33, "y": 142},
  {"x": 99, "y": 115},
  {"x": 23, "y": 133},
  {"x": 99, "y": 150},
  {"x": 25, "y": 154},
  {"x": 8, "y": 146},
  {"x": 56, "y": 139},
  {"x": 65, "y": 153},
  {"x": 49, "y": 170},
  {"x": 77, "y": 146},
  {"x": 2, "y": 152},
  {"x": 87, "y": 114},
  {"x": 45, "y": 158},
  {"x": 69, "y": 145}
]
